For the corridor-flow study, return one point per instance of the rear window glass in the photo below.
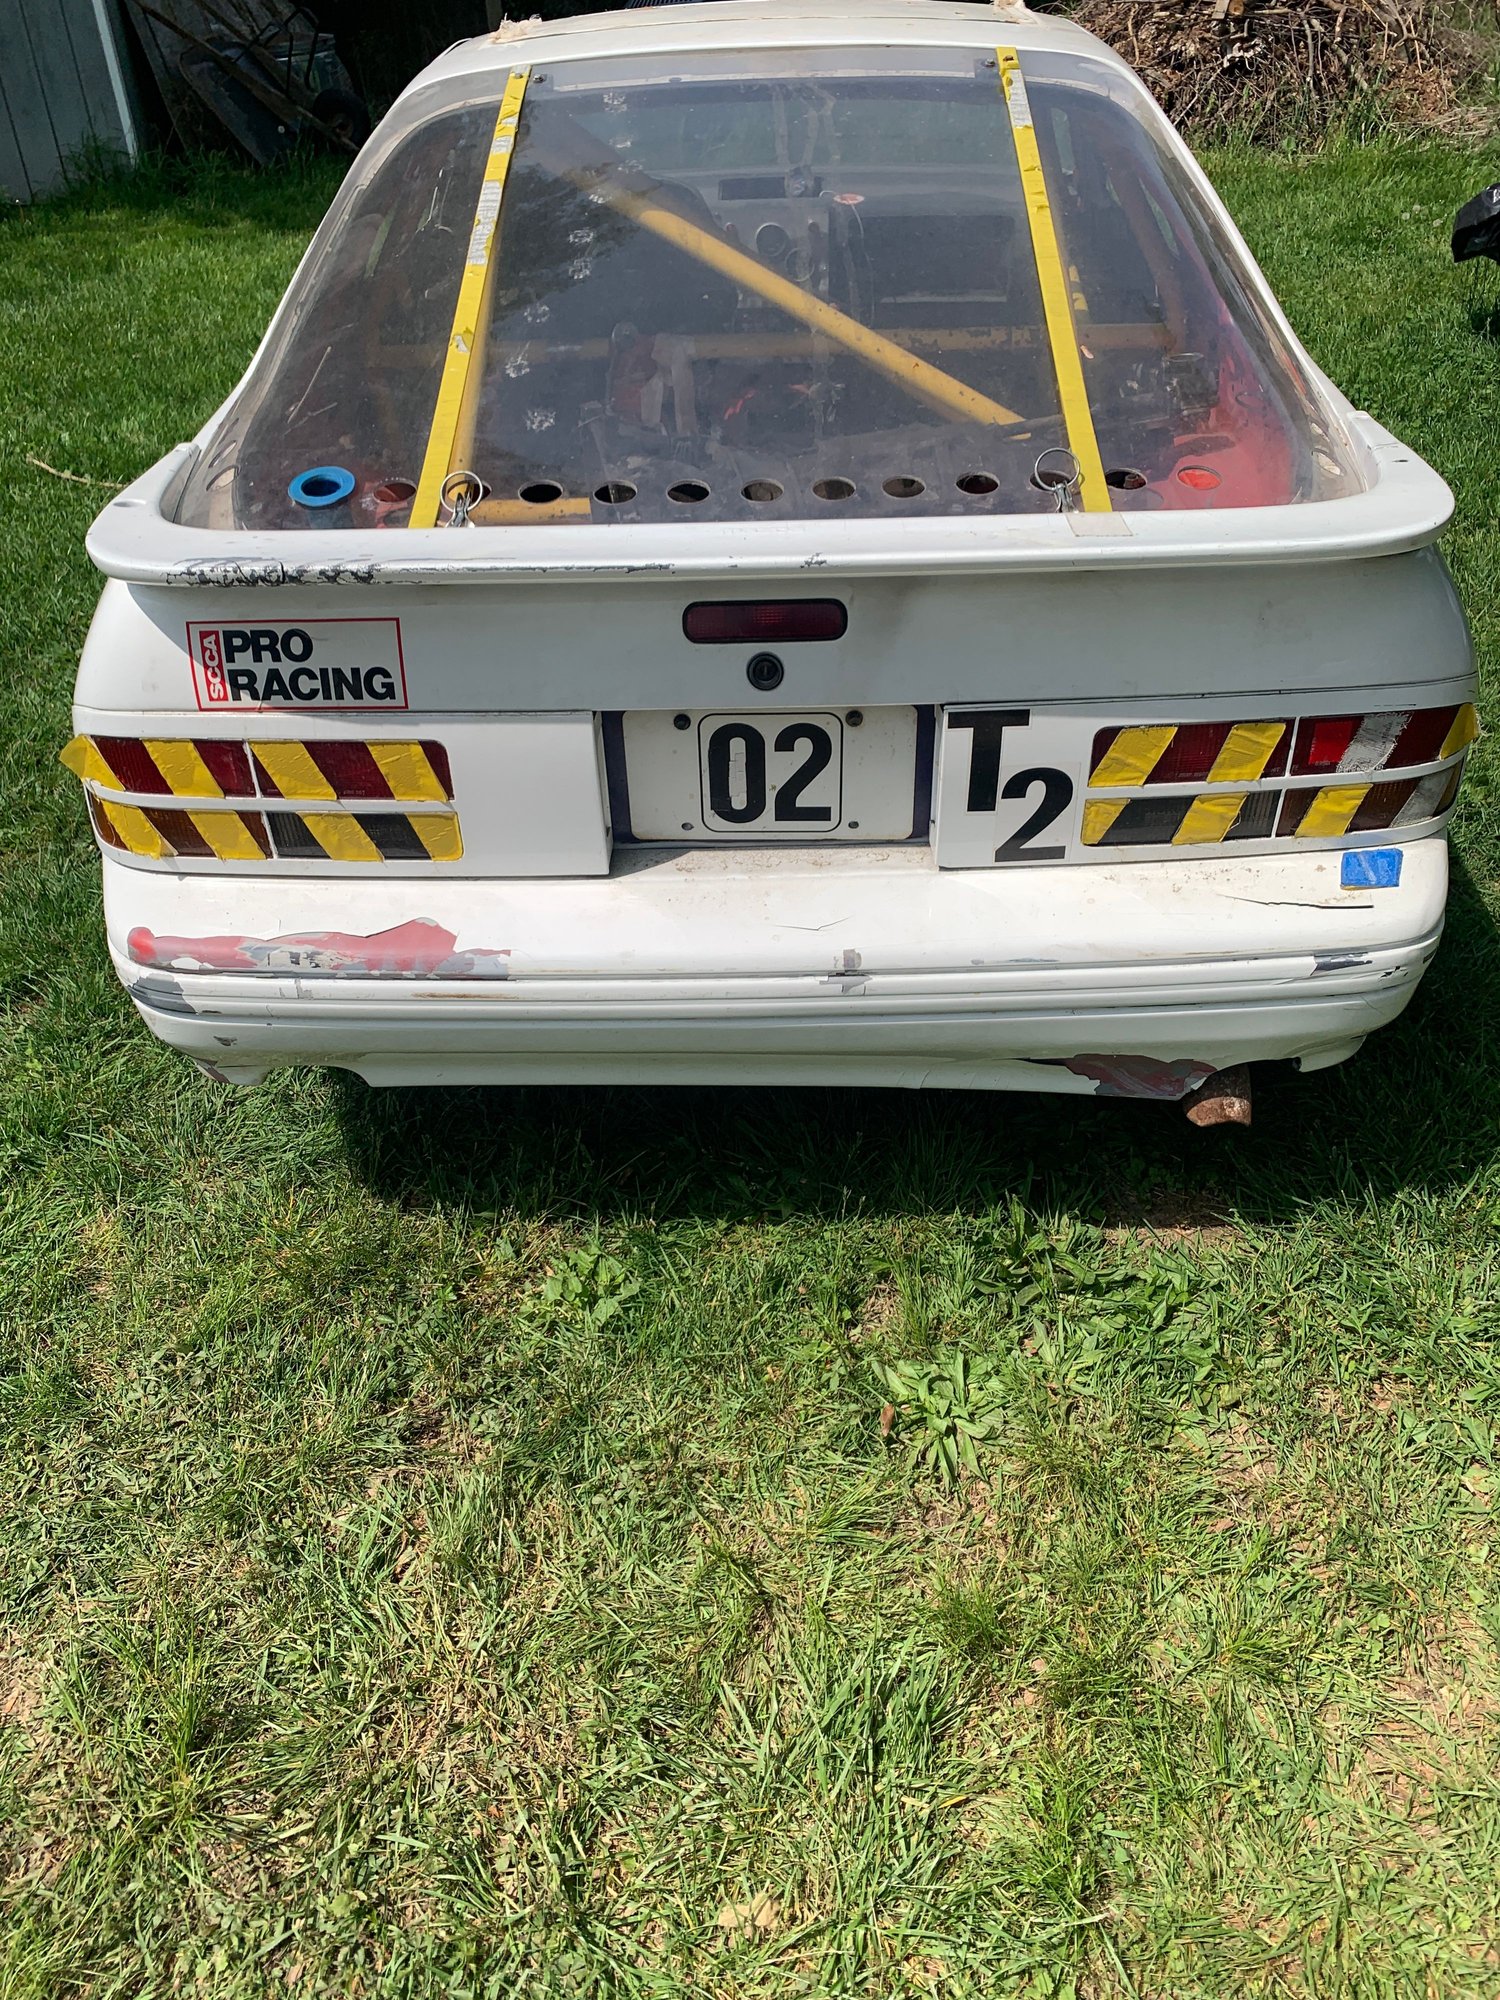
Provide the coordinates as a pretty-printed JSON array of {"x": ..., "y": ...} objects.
[{"x": 802, "y": 285}]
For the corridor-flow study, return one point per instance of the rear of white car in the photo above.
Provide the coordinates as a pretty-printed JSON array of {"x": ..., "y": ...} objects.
[{"x": 777, "y": 545}]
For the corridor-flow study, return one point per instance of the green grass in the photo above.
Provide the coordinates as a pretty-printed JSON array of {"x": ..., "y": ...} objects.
[{"x": 448, "y": 1543}]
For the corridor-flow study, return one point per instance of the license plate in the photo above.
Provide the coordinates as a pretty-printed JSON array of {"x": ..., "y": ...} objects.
[{"x": 821, "y": 774}]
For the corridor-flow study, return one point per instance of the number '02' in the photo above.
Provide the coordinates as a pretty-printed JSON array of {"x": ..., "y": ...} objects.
[{"x": 987, "y": 727}]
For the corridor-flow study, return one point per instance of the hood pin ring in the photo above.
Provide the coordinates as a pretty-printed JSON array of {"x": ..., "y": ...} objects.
[
  {"x": 462, "y": 492},
  {"x": 1063, "y": 477}
]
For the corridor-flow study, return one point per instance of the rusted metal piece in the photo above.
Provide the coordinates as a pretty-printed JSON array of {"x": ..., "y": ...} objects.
[{"x": 1223, "y": 1099}]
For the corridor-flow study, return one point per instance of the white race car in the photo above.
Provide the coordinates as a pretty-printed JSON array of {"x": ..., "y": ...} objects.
[{"x": 777, "y": 543}]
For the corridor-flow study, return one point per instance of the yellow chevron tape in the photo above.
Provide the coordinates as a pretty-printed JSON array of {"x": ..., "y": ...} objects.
[
  {"x": 1465, "y": 729},
  {"x": 1208, "y": 818},
  {"x": 183, "y": 768},
  {"x": 1099, "y": 815},
  {"x": 341, "y": 837},
  {"x": 228, "y": 835},
  {"x": 1331, "y": 811},
  {"x": 408, "y": 771},
  {"x": 439, "y": 834},
  {"x": 1134, "y": 755},
  {"x": 136, "y": 831},
  {"x": 1248, "y": 748},
  {"x": 83, "y": 759},
  {"x": 292, "y": 771}
]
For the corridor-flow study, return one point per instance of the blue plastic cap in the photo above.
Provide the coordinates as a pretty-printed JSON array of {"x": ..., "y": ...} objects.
[
  {"x": 322, "y": 486},
  {"x": 1372, "y": 868}
]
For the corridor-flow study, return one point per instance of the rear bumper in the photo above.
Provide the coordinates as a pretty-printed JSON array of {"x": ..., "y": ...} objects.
[{"x": 861, "y": 967}]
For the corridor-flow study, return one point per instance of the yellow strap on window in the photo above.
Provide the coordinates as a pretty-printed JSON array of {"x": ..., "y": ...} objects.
[
  {"x": 452, "y": 434},
  {"x": 1067, "y": 365}
]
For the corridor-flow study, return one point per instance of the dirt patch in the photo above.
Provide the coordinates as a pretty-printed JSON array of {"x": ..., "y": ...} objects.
[
  {"x": 1274, "y": 69},
  {"x": 1436, "y": 1720},
  {"x": 23, "y": 1680},
  {"x": 1170, "y": 1217}
]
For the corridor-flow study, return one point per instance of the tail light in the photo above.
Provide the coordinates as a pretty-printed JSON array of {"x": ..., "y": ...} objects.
[
  {"x": 263, "y": 801},
  {"x": 165, "y": 833},
  {"x": 1393, "y": 740},
  {"x": 792, "y": 621},
  {"x": 1376, "y": 760},
  {"x": 1190, "y": 753}
]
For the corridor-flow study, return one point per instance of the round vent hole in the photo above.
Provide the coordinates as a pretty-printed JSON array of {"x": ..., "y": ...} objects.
[
  {"x": 763, "y": 491},
  {"x": 394, "y": 492},
  {"x": 979, "y": 484},
  {"x": 615, "y": 493},
  {"x": 834, "y": 489},
  {"x": 904, "y": 487},
  {"x": 1126, "y": 478},
  {"x": 689, "y": 493},
  {"x": 542, "y": 493}
]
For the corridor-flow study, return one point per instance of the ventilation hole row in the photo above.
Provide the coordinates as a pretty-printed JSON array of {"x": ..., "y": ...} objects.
[{"x": 763, "y": 492}]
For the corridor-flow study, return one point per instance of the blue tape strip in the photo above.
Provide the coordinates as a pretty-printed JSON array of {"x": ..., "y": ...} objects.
[
  {"x": 322, "y": 486},
  {"x": 1372, "y": 868}
]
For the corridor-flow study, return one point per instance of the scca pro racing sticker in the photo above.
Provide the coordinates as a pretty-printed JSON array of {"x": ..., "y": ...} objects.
[{"x": 316, "y": 663}]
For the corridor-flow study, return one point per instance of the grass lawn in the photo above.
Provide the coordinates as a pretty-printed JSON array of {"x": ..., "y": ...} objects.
[{"x": 447, "y": 1542}]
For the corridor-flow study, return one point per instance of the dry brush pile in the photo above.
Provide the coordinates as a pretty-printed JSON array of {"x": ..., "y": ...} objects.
[{"x": 1267, "y": 69}]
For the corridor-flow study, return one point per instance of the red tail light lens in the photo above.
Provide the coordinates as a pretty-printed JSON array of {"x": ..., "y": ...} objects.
[
  {"x": 1322, "y": 743},
  {"x": 1423, "y": 738},
  {"x": 136, "y": 770},
  {"x": 131, "y": 763},
  {"x": 1390, "y": 740},
  {"x": 799, "y": 620},
  {"x": 229, "y": 765}
]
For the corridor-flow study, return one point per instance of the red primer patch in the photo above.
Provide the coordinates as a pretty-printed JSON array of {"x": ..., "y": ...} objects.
[
  {"x": 415, "y": 950},
  {"x": 1142, "y": 1076}
]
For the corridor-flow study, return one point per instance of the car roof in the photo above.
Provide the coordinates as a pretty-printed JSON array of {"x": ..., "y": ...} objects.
[{"x": 737, "y": 25}]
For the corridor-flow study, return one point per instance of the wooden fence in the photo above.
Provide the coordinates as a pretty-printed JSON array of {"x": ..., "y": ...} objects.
[{"x": 65, "y": 92}]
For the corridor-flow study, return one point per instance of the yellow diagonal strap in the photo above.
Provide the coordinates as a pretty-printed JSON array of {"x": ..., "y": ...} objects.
[
  {"x": 1066, "y": 364},
  {"x": 463, "y": 371}
]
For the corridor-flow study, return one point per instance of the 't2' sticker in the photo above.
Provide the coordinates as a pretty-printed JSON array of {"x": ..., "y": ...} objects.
[{"x": 1007, "y": 789}]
